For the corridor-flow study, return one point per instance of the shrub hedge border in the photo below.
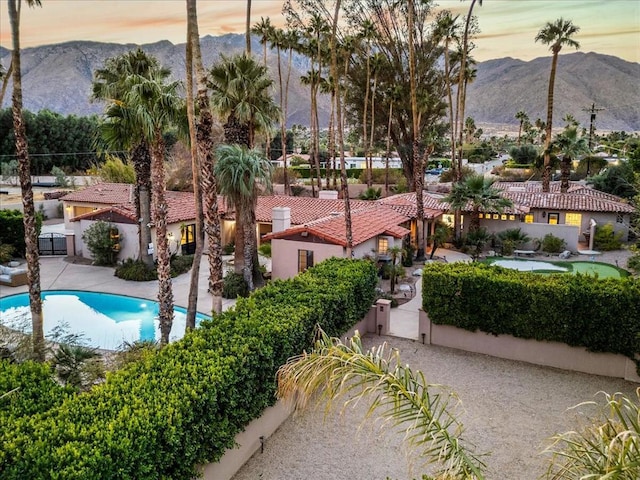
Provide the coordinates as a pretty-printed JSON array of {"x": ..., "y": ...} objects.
[
  {"x": 579, "y": 310},
  {"x": 162, "y": 416}
]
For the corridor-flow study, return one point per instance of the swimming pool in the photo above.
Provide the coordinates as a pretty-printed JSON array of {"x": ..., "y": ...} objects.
[{"x": 104, "y": 320}]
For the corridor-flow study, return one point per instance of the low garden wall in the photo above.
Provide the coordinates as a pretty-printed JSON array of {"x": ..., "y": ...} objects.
[{"x": 574, "y": 322}]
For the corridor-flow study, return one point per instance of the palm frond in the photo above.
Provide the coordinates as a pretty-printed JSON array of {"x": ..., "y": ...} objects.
[{"x": 398, "y": 395}]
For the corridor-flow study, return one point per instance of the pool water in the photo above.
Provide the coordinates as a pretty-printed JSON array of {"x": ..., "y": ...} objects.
[
  {"x": 104, "y": 320},
  {"x": 602, "y": 270}
]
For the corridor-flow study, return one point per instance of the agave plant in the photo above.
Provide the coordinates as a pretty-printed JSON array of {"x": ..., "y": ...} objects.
[{"x": 398, "y": 395}]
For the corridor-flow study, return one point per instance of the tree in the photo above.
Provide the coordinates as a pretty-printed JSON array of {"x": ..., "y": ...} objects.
[
  {"x": 109, "y": 86},
  {"x": 242, "y": 174},
  {"x": 150, "y": 106},
  {"x": 264, "y": 29},
  {"x": 395, "y": 252},
  {"x": 569, "y": 145},
  {"x": 522, "y": 117},
  {"x": 556, "y": 35},
  {"x": 617, "y": 180},
  {"x": 24, "y": 173},
  {"x": 440, "y": 235},
  {"x": 396, "y": 394},
  {"x": 248, "y": 29},
  {"x": 241, "y": 93},
  {"x": 477, "y": 194}
]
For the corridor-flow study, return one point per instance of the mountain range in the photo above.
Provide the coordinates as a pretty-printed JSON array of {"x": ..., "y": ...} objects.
[{"x": 58, "y": 78}]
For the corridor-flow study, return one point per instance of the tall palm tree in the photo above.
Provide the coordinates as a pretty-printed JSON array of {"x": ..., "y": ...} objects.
[
  {"x": 109, "y": 85},
  {"x": 150, "y": 106},
  {"x": 478, "y": 193},
  {"x": 521, "y": 116},
  {"x": 204, "y": 140},
  {"x": 242, "y": 174},
  {"x": 5, "y": 76},
  {"x": 447, "y": 30},
  {"x": 556, "y": 35},
  {"x": 241, "y": 93},
  {"x": 313, "y": 79},
  {"x": 396, "y": 394},
  {"x": 418, "y": 168},
  {"x": 248, "y": 28},
  {"x": 24, "y": 173},
  {"x": 335, "y": 75},
  {"x": 462, "y": 79},
  {"x": 569, "y": 145},
  {"x": 367, "y": 31},
  {"x": 264, "y": 29}
]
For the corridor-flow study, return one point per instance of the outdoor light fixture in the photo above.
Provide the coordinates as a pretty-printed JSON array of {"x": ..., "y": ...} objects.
[{"x": 544, "y": 214}]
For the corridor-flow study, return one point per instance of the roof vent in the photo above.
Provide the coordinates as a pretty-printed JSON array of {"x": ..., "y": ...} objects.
[
  {"x": 335, "y": 214},
  {"x": 517, "y": 189}
]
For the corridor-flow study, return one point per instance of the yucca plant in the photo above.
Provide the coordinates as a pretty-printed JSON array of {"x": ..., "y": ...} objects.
[
  {"x": 398, "y": 395},
  {"x": 607, "y": 447}
]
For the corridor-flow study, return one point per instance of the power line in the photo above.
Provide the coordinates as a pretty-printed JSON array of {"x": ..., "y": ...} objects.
[{"x": 592, "y": 111}]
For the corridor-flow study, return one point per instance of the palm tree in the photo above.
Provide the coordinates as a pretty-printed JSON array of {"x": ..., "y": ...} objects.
[
  {"x": 397, "y": 394},
  {"x": 240, "y": 172},
  {"x": 248, "y": 29},
  {"x": 556, "y": 35},
  {"x": 24, "y": 173},
  {"x": 447, "y": 30},
  {"x": 150, "y": 106},
  {"x": 477, "y": 193},
  {"x": 521, "y": 116},
  {"x": 108, "y": 86},
  {"x": 241, "y": 93},
  {"x": 5, "y": 76},
  {"x": 569, "y": 145},
  {"x": 264, "y": 28},
  {"x": 395, "y": 252},
  {"x": 418, "y": 168},
  {"x": 440, "y": 235},
  {"x": 367, "y": 32}
]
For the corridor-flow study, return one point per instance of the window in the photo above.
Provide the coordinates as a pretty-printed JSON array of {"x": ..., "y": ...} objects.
[
  {"x": 305, "y": 260},
  {"x": 481, "y": 215},
  {"x": 496, "y": 216},
  {"x": 188, "y": 239},
  {"x": 512, "y": 217},
  {"x": 528, "y": 218},
  {"x": 447, "y": 219},
  {"x": 573, "y": 219},
  {"x": 619, "y": 218},
  {"x": 503, "y": 216},
  {"x": 553, "y": 218},
  {"x": 383, "y": 245}
]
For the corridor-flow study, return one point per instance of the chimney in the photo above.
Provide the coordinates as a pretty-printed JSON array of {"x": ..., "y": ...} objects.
[
  {"x": 280, "y": 219},
  {"x": 328, "y": 194}
]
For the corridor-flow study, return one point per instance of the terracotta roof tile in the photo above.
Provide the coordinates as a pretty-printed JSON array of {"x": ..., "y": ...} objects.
[
  {"x": 303, "y": 209},
  {"x": 107, "y": 193}
]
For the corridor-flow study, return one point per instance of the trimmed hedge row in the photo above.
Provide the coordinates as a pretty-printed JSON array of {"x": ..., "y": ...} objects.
[
  {"x": 579, "y": 310},
  {"x": 183, "y": 406}
]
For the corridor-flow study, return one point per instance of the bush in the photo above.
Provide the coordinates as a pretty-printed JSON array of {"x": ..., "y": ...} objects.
[
  {"x": 552, "y": 244},
  {"x": 181, "y": 264},
  {"x": 6, "y": 252},
  {"x": 229, "y": 248},
  {"x": 606, "y": 238},
  {"x": 265, "y": 249},
  {"x": 183, "y": 406},
  {"x": 600, "y": 315},
  {"x": 371, "y": 193},
  {"x": 12, "y": 231},
  {"x": 378, "y": 176},
  {"x": 234, "y": 286},
  {"x": 135, "y": 270},
  {"x": 101, "y": 241}
]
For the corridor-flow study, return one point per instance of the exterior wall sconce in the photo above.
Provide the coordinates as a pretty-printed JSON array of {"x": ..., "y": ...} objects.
[{"x": 544, "y": 214}]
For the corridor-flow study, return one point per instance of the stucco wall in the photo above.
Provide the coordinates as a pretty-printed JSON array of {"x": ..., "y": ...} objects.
[{"x": 284, "y": 255}]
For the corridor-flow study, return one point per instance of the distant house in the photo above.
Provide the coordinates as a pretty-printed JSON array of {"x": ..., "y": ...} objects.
[{"x": 114, "y": 203}]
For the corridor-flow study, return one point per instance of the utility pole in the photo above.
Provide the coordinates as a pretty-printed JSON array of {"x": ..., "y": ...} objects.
[{"x": 592, "y": 111}]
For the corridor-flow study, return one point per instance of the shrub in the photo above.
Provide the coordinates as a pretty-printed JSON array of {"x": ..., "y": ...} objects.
[
  {"x": 265, "y": 249},
  {"x": 6, "y": 252},
  {"x": 278, "y": 175},
  {"x": 12, "y": 231},
  {"x": 234, "y": 286},
  {"x": 552, "y": 244},
  {"x": 449, "y": 175},
  {"x": 297, "y": 190},
  {"x": 184, "y": 405},
  {"x": 101, "y": 242},
  {"x": 600, "y": 315},
  {"x": 135, "y": 270},
  {"x": 229, "y": 248},
  {"x": 606, "y": 238},
  {"x": 181, "y": 264},
  {"x": 371, "y": 193},
  {"x": 407, "y": 255}
]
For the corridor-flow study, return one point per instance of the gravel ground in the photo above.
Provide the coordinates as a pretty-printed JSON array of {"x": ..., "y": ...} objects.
[{"x": 509, "y": 410}]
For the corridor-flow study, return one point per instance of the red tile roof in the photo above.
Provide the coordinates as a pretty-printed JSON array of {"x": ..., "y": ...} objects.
[
  {"x": 303, "y": 209},
  {"x": 366, "y": 222},
  {"x": 579, "y": 197},
  {"x": 405, "y": 203},
  {"x": 106, "y": 193}
]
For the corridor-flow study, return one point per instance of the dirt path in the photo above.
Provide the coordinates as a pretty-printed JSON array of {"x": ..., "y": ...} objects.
[{"x": 510, "y": 410}]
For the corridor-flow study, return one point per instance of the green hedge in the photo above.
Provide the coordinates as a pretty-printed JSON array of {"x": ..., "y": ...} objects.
[
  {"x": 601, "y": 315},
  {"x": 161, "y": 416}
]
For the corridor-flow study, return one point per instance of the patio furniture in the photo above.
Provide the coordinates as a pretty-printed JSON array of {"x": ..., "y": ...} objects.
[
  {"x": 13, "y": 276},
  {"x": 524, "y": 253}
]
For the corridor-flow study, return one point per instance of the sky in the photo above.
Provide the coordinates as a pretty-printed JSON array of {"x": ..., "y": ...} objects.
[{"x": 508, "y": 27}]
